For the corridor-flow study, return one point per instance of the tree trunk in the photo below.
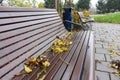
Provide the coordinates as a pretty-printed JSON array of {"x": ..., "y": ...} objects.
[
  {"x": 1, "y": 1},
  {"x": 56, "y": 5},
  {"x": 65, "y": 3},
  {"x": 69, "y": 2}
]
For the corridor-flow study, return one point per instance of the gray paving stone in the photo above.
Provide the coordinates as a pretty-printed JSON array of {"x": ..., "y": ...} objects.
[
  {"x": 105, "y": 43},
  {"x": 109, "y": 40},
  {"x": 105, "y": 34},
  {"x": 97, "y": 35},
  {"x": 118, "y": 41},
  {"x": 102, "y": 50},
  {"x": 114, "y": 38},
  {"x": 114, "y": 47},
  {"x": 102, "y": 75},
  {"x": 104, "y": 66},
  {"x": 100, "y": 57},
  {"x": 98, "y": 45},
  {"x": 113, "y": 77},
  {"x": 98, "y": 42},
  {"x": 102, "y": 38},
  {"x": 108, "y": 58},
  {"x": 116, "y": 58},
  {"x": 119, "y": 47},
  {"x": 106, "y": 46},
  {"x": 97, "y": 38}
]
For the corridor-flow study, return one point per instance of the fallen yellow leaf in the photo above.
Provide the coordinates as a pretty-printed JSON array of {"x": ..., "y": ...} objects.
[
  {"x": 113, "y": 54},
  {"x": 69, "y": 33},
  {"x": 27, "y": 69},
  {"x": 64, "y": 49},
  {"x": 70, "y": 42},
  {"x": 46, "y": 64},
  {"x": 43, "y": 77},
  {"x": 114, "y": 66},
  {"x": 116, "y": 73},
  {"x": 33, "y": 60},
  {"x": 113, "y": 44}
]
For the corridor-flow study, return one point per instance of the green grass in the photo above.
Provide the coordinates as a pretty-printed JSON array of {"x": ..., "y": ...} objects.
[{"x": 108, "y": 18}]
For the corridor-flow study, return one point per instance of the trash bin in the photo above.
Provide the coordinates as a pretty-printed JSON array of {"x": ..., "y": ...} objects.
[{"x": 67, "y": 15}]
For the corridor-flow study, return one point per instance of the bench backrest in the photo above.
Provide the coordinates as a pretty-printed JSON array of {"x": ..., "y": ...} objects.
[
  {"x": 25, "y": 32},
  {"x": 81, "y": 16},
  {"x": 83, "y": 19}
]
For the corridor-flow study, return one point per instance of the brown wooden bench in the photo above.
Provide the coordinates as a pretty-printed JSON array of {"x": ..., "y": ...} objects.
[
  {"x": 28, "y": 32},
  {"x": 85, "y": 22}
]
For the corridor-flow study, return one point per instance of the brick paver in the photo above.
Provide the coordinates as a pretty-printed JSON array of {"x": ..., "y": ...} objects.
[
  {"x": 101, "y": 50},
  {"x": 100, "y": 57},
  {"x": 113, "y": 77},
  {"x": 102, "y": 75},
  {"x": 107, "y": 36}
]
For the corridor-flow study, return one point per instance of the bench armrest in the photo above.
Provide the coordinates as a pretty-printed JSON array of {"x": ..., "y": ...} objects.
[{"x": 75, "y": 24}]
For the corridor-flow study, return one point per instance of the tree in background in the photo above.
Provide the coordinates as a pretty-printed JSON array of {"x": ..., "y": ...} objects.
[
  {"x": 83, "y": 4},
  {"x": 23, "y": 3},
  {"x": 34, "y": 3},
  {"x": 1, "y": 2},
  {"x": 113, "y": 5},
  {"x": 106, "y": 6},
  {"x": 101, "y": 6},
  {"x": 49, "y": 3},
  {"x": 41, "y": 5},
  {"x": 69, "y": 3},
  {"x": 60, "y": 7}
]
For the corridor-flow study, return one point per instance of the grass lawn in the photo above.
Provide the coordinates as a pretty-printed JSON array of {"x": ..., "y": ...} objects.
[{"x": 108, "y": 18}]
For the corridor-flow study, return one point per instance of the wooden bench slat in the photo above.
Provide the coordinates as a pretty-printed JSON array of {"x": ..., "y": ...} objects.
[
  {"x": 55, "y": 60},
  {"x": 20, "y": 67},
  {"x": 52, "y": 58},
  {"x": 59, "y": 33},
  {"x": 63, "y": 67},
  {"x": 16, "y": 46},
  {"x": 23, "y": 57},
  {"x": 30, "y": 41},
  {"x": 20, "y": 9},
  {"x": 88, "y": 73},
  {"x": 22, "y": 14},
  {"x": 92, "y": 58},
  {"x": 26, "y": 35},
  {"x": 69, "y": 70},
  {"x": 24, "y": 19},
  {"x": 53, "y": 70},
  {"x": 24, "y": 24},
  {"x": 79, "y": 65},
  {"x": 85, "y": 75},
  {"x": 33, "y": 75},
  {"x": 27, "y": 29}
]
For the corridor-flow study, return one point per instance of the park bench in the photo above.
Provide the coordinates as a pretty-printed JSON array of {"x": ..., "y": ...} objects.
[
  {"x": 85, "y": 22},
  {"x": 28, "y": 32}
]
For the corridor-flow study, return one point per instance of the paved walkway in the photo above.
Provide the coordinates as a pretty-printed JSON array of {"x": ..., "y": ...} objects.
[{"x": 107, "y": 37}]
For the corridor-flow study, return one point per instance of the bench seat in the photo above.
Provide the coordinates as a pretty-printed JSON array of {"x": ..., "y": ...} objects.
[
  {"x": 76, "y": 57},
  {"x": 79, "y": 57}
]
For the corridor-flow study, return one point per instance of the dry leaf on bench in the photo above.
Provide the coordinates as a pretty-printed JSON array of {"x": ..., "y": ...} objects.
[{"x": 27, "y": 69}]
